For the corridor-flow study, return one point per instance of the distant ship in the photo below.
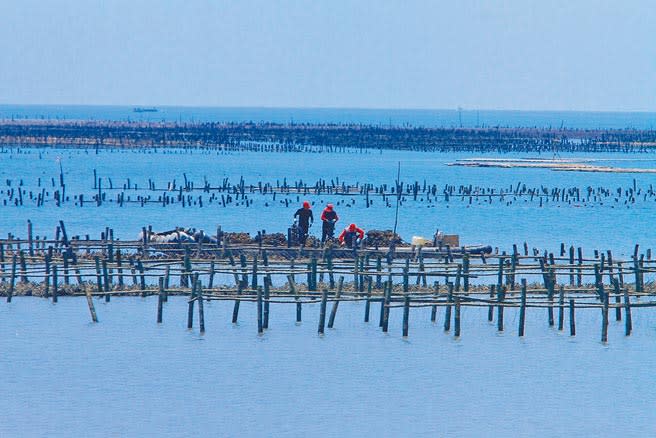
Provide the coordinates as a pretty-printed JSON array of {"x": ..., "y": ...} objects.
[{"x": 144, "y": 110}]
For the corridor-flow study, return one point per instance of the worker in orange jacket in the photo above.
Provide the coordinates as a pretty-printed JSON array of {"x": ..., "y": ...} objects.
[{"x": 351, "y": 236}]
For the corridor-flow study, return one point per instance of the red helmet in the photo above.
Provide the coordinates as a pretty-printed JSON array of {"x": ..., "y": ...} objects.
[
  {"x": 329, "y": 206},
  {"x": 306, "y": 205},
  {"x": 352, "y": 227}
]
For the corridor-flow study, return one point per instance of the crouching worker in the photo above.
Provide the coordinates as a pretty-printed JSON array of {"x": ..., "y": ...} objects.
[{"x": 351, "y": 236}]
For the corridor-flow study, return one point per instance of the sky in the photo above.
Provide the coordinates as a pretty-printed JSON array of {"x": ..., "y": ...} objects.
[{"x": 524, "y": 55}]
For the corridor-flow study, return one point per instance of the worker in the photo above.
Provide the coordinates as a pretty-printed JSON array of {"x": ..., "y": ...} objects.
[
  {"x": 351, "y": 236},
  {"x": 329, "y": 218},
  {"x": 305, "y": 220}
]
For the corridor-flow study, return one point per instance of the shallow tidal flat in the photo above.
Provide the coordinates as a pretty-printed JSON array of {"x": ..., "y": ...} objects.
[{"x": 558, "y": 164}]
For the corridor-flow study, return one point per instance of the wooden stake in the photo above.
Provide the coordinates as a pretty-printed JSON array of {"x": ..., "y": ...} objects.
[
  {"x": 92, "y": 308},
  {"x": 447, "y": 313},
  {"x": 54, "y": 283},
  {"x": 260, "y": 328},
  {"x": 604, "y": 320},
  {"x": 456, "y": 318},
  {"x": 322, "y": 311},
  {"x": 501, "y": 295},
  {"x": 333, "y": 312},
  {"x": 628, "y": 322},
  {"x": 561, "y": 308},
  {"x": 190, "y": 306},
  {"x": 160, "y": 300},
  {"x": 572, "y": 320},
  {"x": 406, "y": 315},
  {"x": 522, "y": 309},
  {"x": 201, "y": 311},
  {"x": 12, "y": 280}
]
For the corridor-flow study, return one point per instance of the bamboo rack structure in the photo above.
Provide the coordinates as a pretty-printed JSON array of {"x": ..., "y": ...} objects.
[{"x": 391, "y": 278}]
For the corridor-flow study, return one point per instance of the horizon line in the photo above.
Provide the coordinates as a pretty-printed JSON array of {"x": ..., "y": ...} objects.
[{"x": 345, "y": 108}]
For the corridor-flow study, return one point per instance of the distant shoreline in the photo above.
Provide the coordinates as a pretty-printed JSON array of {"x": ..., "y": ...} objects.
[
  {"x": 298, "y": 137},
  {"x": 427, "y": 118}
]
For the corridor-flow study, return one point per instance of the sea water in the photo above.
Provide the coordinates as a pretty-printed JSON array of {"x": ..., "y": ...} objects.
[
  {"x": 128, "y": 376},
  {"x": 604, "y": 225}
]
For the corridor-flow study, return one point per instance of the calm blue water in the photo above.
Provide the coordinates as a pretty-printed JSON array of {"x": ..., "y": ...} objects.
[
  {"x": 614, "y": 226},
  {"x": 127, "y": 376},
  {"x": 427, "y": 118}
]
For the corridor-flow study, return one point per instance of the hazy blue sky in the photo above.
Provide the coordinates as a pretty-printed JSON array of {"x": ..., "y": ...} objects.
[{"x": 572, "y": 55}]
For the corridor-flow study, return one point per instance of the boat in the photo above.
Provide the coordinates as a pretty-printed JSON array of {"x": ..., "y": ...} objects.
[{"x": 144, "y": 109}]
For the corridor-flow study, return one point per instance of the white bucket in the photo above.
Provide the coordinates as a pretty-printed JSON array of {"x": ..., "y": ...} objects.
[{"x": 420, "y": 241}]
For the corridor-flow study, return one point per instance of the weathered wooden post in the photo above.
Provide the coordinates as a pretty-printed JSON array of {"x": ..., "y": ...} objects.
[
  {"x": 23, "y": 267},
  {"x": 433, "y": 316},
  {"x": 313, "y": 273},
  {"x": 12, "y": 280},
  {"x": 465, "y": 272},
  {"x": 54, "y": 283},
  {"x": 379, "y": 272},
  {"x": 294, "y": 291},
  {"x": 628, "y": 322},
  {"x": 142, "y": 277},
  {"x": 190, "y": 306},
  {"x": 490, "y": 307},
  {"x": 501, "y": 295},
  {"x": 160, "y": 300},
  {"x": 333, "y": 312},
  {"x": 92, "y": 308},
  {"x": 254, "y": 276},
  {"x": 244, "y": 268},
  {"x": 405, "y": 279},
  {"x": 260, "y": 328},
  {"x": 66, "y": 271},
  {"x": 106, "y": 280},
  {"x": 500, "y": 273},
  {"x": 456, "y": 318},
  {"x": 579, "y": 271},
  {"x": 406, "y": 314},
  {"x": 458, "y": 277},
  {"x": 201, "y": 311},
  {"x": 604, "y": 319},
  {"x": 235, "y": 309},
  {"x": 210, "y": 280},
  {"x": 550, "y": 309},
  {"x": 119, "y": 269},
  {"x": 386, "y": 308},
  {"x": 367, "y": 303},
  {"x": 447, "y": 313},
  {"x": 322, "y": 311},
  {"x": 571, "y": 263},
  {"x": 267, "y": 293},
  {"x": 572, "y": 320},
  {"x": 98, "y": 275},
  {"x": 329, "y": 265},
  {"x": 522, "y": 309},
  {"x": 513, "y": 266},
  {"x": 618, "y": 299},
  {"x": 561, "y": 308},
  {"x": 29, "y": 238}
]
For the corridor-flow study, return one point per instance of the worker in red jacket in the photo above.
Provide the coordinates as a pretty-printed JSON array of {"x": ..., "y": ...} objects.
[
  {"x": 329, "y": 218},
  {"x": 351, "y": 236}
]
